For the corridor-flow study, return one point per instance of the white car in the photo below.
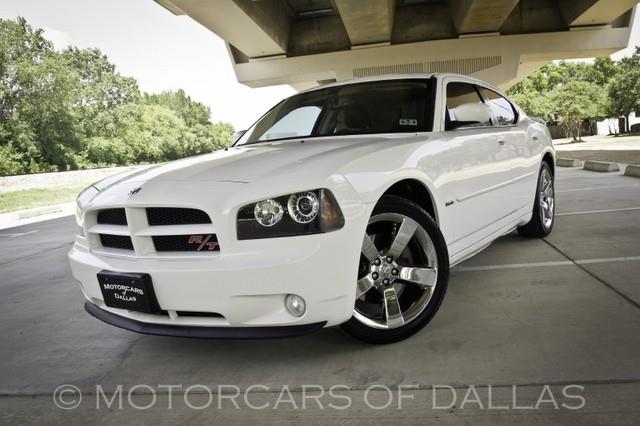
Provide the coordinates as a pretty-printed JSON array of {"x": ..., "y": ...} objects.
[{"x": 343, "y": 205}]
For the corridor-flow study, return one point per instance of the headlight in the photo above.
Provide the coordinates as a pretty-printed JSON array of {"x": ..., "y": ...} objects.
[
  {"x": 307, "y": 212},
  {"x": 268, "y": 212},
  {"x": 303, "y": 207}
]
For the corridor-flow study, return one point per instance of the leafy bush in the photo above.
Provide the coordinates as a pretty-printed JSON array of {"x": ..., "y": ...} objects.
[{"x": 100, "y": 150}]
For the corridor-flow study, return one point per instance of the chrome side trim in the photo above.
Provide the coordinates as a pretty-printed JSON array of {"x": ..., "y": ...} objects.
[{"x": 494, "y": 187}]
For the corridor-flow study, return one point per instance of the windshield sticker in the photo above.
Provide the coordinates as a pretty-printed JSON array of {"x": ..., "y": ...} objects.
[{"x": 408, "y": 122}]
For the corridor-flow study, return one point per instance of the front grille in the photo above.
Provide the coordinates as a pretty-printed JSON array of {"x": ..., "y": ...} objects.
[
  {"x": 112, "y": 217},
  {"x": 116, "y": 241},
  {"x": 199, "y": 242},
  {"x": 158, "y": 216}
]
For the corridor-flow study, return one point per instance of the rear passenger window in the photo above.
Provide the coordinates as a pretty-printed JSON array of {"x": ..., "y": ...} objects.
[
  {"x": 462, "y": 95},
  {"x": 502, "y": 110}
]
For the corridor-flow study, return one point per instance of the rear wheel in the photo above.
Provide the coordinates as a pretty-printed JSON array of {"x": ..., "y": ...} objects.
[
  {"x": 544, "y": 206},
  {"x": 403, "y": 274}
]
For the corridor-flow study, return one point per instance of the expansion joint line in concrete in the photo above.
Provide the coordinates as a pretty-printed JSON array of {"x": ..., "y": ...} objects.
[{"x": 597, "y": 278}]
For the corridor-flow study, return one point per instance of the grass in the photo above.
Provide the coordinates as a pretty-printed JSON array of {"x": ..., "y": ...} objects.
[{"x": 28, "y": 198}]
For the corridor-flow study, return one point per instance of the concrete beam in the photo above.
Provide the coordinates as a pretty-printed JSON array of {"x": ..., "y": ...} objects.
[
  {"x": 478, "y": 16},
  {"x": 256, "y": 28},
  {"x": 452, "y": 55},
  {"x": 318, "y": 35},
  {"x": 593, "y": 12},
  {"x": 168, "y": 4},
  {"x": 431, "y": 21},
  {"x": 367, "y": 22},
  {"x": 534, "y": 16}
]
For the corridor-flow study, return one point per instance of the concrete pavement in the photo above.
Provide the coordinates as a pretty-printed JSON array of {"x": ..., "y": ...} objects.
[{"x": 564, "y": 311}]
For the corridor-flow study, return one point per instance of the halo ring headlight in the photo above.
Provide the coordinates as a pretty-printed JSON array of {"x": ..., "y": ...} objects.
[{"x": 303, "y": 207}]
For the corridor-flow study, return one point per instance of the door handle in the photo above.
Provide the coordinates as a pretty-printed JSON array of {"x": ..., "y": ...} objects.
[{"x": 500, "y": 141}]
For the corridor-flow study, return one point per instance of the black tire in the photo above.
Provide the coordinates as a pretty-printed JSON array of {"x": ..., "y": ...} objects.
[
  {"x": 401, "y": 206},
  {"x": 537, "y": 227}
]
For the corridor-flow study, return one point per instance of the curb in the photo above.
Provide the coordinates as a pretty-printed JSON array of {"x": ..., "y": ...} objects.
[
  {"x": 568, "y": 162},
  {"x": 632, "y": 170},
  {"x": 601, "y": 166},
  {"x": 38, "y": 214}
]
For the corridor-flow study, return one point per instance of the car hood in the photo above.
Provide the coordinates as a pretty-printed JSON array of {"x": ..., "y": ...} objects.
[
  {"x": 260, "y": 162},
  {"x": 253, "y": 172}
]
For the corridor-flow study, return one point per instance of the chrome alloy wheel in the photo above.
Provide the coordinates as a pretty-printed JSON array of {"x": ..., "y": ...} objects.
[
  {"x": 546, "y": 200},
  {"x": 398, "y": 272}
]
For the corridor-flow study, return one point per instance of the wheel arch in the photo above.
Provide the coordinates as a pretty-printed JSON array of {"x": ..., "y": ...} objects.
[
  {"x": 416, "y": 191},
  {"x": 548, "y": 158}
]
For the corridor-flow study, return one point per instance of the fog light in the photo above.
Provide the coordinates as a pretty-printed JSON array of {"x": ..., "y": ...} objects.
[{"x": 295, "y": 305}]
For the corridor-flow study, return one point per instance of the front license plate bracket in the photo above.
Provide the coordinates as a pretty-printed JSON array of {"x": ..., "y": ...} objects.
[{"x": 128, "y": 290}]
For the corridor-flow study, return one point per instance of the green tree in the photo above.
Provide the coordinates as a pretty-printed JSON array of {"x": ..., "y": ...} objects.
[
  {"x": 19, "y": 45},
  {"x": 190, "y": 111},
  {"x": 534, "y": 103},
  {"x": 576, "y": 102},
  {"x": 606, "y": 69},
  {"x": 624, "y": 90},
  {"x": 36, "y": 90},
  {"x": 62, "y": 110},
  {"x": 99, "y": 88}
]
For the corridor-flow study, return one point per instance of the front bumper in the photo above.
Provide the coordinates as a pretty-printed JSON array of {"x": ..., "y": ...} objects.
[
  {"x": 200, "y": 332},
  {"x": 245, "y": 288}
]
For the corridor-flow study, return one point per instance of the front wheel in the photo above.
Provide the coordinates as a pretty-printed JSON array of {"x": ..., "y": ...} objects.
[
  {"x": 403, "y": 273},
  {"x": 544, "y": 206}
]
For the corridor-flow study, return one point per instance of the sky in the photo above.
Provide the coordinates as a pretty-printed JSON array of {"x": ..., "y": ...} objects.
[{"x": 162, "y": 51}]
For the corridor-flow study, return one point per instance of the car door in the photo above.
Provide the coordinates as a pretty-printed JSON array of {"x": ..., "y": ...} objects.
[
  {"x": 472, "y": 176},
  {"x": 512, "y": 158}
]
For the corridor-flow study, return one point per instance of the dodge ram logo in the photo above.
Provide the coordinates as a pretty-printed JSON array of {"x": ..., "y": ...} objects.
[{"x": 203, "y": 242}]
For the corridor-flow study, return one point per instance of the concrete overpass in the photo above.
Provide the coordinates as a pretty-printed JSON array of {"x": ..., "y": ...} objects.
[{"x": 309, "y": 42}]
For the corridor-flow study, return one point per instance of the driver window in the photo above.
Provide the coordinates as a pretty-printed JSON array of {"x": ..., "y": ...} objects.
[{"x": 458, "y": 94}]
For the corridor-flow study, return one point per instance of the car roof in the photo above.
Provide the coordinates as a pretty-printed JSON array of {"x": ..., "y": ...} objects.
[{"x": 387, "y": 77}]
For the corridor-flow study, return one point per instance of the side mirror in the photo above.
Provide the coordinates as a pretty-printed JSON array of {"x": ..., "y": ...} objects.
[
  {"x": 471, "y": 113},
  {"x": 237, "y": 135}
]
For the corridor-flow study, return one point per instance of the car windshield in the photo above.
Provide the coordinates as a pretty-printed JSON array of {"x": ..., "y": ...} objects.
[{"x": 392, "y": 106}]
